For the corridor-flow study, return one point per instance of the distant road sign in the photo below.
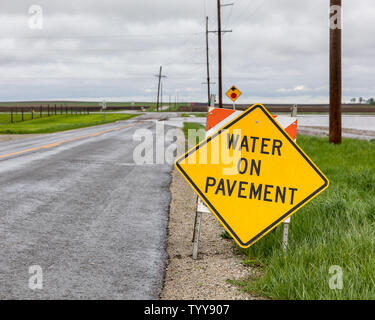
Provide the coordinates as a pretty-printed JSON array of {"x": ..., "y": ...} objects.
[
  {"x": 233, "y": 93},
  {"x": 268, "y": 179}
]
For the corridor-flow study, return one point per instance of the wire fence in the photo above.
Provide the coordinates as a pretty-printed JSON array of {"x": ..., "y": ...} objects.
[{"x": 20, "y": 114}]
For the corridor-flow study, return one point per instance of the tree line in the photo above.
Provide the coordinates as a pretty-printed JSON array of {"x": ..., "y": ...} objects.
[{"x": 363, "y": 100}]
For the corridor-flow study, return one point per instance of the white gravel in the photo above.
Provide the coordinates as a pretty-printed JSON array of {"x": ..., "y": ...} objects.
[{"x": 218, "y": 261}]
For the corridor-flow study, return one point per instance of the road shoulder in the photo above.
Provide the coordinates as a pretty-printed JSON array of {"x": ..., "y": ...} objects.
[{"x": 218, "y": 261}]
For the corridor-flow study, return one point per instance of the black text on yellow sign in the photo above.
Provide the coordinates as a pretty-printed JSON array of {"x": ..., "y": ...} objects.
[{"x": 251, "y": 175}]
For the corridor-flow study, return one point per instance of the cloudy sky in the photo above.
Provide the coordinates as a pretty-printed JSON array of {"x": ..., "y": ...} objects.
[{"x": 91, "y": 49}]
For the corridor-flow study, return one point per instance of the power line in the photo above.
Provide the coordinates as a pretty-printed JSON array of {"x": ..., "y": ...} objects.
[
  {"x": 68, "y": 62},
  {"x": 229, "y": 16},
  {"x": 70, "y": 37},
  {"x": 99, "y": 78},
  {"x": 238, "y": 18}
]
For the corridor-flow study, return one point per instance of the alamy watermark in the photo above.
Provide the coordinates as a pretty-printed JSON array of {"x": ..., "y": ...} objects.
[
  {"x": 336, "y": 280},
  {"x": 35, "y": 17},
  {"x": 336, "y": 17},
  {"x": 165, "y": 146},
  {"x": 36, "y": 278}
]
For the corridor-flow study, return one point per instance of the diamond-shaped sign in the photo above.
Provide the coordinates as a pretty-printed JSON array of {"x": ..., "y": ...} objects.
[
  {"x": 233, "y": 93},
  {"x": 251, "y": 175}
]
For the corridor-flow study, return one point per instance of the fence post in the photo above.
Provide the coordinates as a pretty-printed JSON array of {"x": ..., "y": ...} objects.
[
  {"x": 22, "y": 113},
  {"x": 11, "y": 115}
]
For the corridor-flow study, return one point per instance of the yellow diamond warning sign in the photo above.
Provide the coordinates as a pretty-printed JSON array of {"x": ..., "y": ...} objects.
[
  {"x": 233, "y": 93},
  {"x": 251, "y": 175}
]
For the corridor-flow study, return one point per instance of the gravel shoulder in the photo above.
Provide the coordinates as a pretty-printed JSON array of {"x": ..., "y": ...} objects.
[{"x": 218, "y": 260}]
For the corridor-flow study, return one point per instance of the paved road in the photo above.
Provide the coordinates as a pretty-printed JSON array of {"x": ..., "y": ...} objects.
[{"x": 74, "y": 204}]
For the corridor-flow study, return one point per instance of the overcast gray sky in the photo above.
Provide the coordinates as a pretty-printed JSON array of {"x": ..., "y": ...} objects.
[{"x": 91, "y": 49}]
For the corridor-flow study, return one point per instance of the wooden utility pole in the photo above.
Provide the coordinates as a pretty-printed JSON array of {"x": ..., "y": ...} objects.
[
  {"x": 157, "y": 102},
  {"x": 160, "y": 76},
  {"x": 208, "y": 64},
  {"x": 220, "y": 74},
  {"x": 335, "y": 125},
  {"x": 161, "y": 95},
  {"x": 219, "y": 35}
]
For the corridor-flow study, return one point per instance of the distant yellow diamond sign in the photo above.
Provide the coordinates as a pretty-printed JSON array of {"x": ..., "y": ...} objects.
[
  {"x": 233, "y": 93},
  {"x": 251, "y": 175}
]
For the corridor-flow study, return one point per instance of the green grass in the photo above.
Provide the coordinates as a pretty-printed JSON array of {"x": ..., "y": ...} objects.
[
  {"x": 74, "y": 103},
  {"x": 151, "y": 106},
  {"x": 198, "y": 114},
  {"x": 5, "y": 118},
  {"x": 57, "y": 123},
  {"x": 336, "y": 228},
  {"x": 172, "y": 107},
  {"x": 193, "y": 140},
  {"x": 17, "y": 117}
]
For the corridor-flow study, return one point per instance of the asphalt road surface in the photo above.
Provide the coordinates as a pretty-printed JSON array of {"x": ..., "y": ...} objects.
[{"x": 75, "y": 204}]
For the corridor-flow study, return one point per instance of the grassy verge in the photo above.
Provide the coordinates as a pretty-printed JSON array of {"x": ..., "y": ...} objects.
[
  {"x": 58, "y": 123},
  {"x": 335, "y": 229},
  {"x": 171, "y": 108},
  {"x": 192, "y": 140},
  {"x": 75, "y": 103},
  {"x": 198, "y": 115}
]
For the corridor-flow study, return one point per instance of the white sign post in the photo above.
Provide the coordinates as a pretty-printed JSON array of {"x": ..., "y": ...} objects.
[{"x": 104, "y": 107}]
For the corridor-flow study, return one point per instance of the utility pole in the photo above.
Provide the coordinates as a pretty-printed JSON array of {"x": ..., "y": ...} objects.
[
  {"x": 220, "y": 72},
  {"x": 219, "y": 31},
  {"x": 160, "y": 76},
  {"x": 335, "y": 121},
  {"x": 161, "y": 95},
  {"x": 208, "y": 64}
]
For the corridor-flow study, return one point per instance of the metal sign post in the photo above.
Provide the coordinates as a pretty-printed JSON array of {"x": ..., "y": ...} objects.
[{"x": 104, "y": 107}]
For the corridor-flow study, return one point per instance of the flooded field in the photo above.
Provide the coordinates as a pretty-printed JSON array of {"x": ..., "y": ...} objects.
[{"x": 358, "y": 122}]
